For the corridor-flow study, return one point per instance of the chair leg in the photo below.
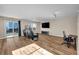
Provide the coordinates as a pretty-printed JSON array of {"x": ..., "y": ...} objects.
[
  {"x": 68, "y": 44},
  {"x": 63, "y": 43},
  {"x": 32, "y": 38}
]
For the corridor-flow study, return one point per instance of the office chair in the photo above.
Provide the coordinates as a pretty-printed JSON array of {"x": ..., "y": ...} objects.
[
  {"x": 32, "y": 35},
  {"x": 65, "y": 39}
]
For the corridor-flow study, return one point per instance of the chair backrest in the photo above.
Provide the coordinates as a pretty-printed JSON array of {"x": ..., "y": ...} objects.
[
  {"x": 75, "y": 37},
  {"x": 64, "y": 34},
  {"x": 31, "y": 32}
]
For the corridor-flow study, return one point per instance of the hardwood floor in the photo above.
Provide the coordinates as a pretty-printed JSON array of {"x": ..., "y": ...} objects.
[{"x": 50, "y": 43}]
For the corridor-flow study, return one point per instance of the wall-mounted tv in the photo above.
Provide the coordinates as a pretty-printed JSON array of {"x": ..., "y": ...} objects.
[{"x": 45, "y": 25}]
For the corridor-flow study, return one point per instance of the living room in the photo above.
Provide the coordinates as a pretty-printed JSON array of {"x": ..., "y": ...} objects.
[{"x": 48, "y": 20}]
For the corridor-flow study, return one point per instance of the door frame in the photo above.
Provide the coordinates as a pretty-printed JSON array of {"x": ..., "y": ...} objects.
[{"x": 12, "y": 34}]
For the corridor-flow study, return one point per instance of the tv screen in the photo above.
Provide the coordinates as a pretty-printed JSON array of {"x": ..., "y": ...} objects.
[{"x": 45, "y": 25}]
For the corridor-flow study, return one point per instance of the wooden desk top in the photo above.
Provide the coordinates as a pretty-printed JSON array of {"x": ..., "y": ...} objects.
[{"x": 73, "y": 36}]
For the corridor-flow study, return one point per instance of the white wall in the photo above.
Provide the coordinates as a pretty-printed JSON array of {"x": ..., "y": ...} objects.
[
  {"x": 78, "y": 35},
  {"x": 68, "y": 24},
  {"x": 2, "y": 28},
  {"x": 38, "y": 27}
]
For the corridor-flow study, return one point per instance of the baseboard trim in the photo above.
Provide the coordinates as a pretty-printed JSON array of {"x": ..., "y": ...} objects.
[
  {"x": 54, "y": 36},
  {"x": 3, "y": 37},
  {"x": 7, "y": 37}
]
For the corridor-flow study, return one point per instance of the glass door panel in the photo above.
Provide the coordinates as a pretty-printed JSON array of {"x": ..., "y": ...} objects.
[
  {"x": 15, "y": 27},
  {"x": 12, "y": 28},
  {"x": 9, "y": 27}
]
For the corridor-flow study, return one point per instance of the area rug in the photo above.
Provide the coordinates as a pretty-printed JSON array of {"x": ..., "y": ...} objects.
[{"x": 32, "y": 49}]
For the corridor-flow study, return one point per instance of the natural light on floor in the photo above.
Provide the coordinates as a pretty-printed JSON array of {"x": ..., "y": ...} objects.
[{"x": 32, "y": 49}]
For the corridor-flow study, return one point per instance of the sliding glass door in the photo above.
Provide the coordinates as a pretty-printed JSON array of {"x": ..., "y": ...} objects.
[
  {"x": 12, "y": 28},
  {"x": 15, "y": 29}
]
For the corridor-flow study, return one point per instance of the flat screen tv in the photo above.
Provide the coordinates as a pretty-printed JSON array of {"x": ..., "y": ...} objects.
[{"x": 45, "y": 25}]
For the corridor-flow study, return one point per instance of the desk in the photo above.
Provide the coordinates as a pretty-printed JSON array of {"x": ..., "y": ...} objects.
[{"x": 74, "y": 39}]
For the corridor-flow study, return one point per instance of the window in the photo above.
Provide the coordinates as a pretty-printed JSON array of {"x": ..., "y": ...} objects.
[{"x": 33, "y": 26}]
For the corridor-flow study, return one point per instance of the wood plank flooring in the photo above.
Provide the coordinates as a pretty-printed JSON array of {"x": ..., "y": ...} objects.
[
  {"x": 49, "y": 43},
  {"x": 32, "y": 49}
]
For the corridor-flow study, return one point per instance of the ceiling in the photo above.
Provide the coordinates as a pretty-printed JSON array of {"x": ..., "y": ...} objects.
[{"x": 38, "y": 11}]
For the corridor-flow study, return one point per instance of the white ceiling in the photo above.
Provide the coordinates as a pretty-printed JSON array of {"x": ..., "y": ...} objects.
[{"x": 34, "y": 11}]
